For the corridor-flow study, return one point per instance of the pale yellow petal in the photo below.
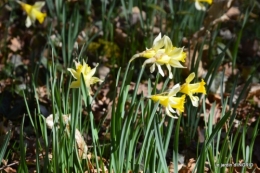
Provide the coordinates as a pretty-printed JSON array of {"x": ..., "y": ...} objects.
[
  {"x": 74, "y": 73},
  {"x": 149, "y": 61},
  {"x": 170, "y": 71},
  {"x": 77, "y": 64},
  {"x": 176, "y": 53},
  {"x": 199, "y": 6},
  {"x": 162, "y": 59},
  {"x": 92, "y": 71},
  {"x": 167, "y": 44},
  {"x": 94, "y": 80},
  {"x": 159, "y": 37},
  {"x": 28, "y": 21},
  {"x": 38, "y": 5},
  {"x": 152, "y": 68},
  {"x": 75, "y": 84},
  {"x": 190, "y": 77},
  {"x": 194, "y": 100},
  {"x": 160, "y": 69},
  {"x": 176, "y": 88},
  {"x": 194, "y": 87},
  {"x": 168, "y": 112},
  {"x": 176, "y": 64},
  {"x": 170, "y": 109},
  {"x": 158, "y": 42}
]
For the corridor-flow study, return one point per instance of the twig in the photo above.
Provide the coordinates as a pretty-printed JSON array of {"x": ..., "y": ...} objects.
[{"x": 15, "y": 163}]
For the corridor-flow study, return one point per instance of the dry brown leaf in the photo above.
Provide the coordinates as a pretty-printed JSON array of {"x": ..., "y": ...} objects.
[
  {"x": 92, "y": 167},
  {"x": 233, "y": 12},
  {"x": 238, "y": 91},
  {"x": 254, "y": 90},
  {"x": 4, "y": 129},
  {"x": 188, "y": 62},
  {"x": 42, "y": 94},
  {"x": 15, "y": 44},
  {"x": 103, "y": 71},
  {"x": 171, "y": 167},
  {"x": 219, "y": 11},
  {"x": 81, "y": 144},
  {"x": 10, "y": 170},
  {"x": 136, "y": 15},
  {"x": 120, "y": 36},
  {"x": 191, "y": 165}
]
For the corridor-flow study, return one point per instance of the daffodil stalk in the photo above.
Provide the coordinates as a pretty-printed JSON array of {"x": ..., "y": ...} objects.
[
  {"x": 162, "y": 53},
  {"x": 87, "y": 73},
  {"x": 191, "y": 89},
  {"x": 170, "y": 101},
  {"x": 200, "y": 6},
  {"x": 33, "y": 12}
]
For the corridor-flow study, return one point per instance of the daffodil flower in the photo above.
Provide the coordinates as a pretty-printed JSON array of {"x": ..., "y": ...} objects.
[
  {"x": 169, "y": 101},
  {"x": 163, "y": 53},
  {"x": 87, "y": 73},
  {"x": 190, "y": 89},
  {"x": 33, "y": 12},
  {"x": 200, "y": 6}
]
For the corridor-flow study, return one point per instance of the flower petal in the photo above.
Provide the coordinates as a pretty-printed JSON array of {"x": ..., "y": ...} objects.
[
  {"x": 170, "y": 114},
  {"x": 74, "y": 73},
  {"x": 176, "y": 88},
  {"x": 38, "y": 5},
  {"x": 28, "y": 22},
  {"x": 179, "y": 103},
  {"x": 177, "y": 54},
  {"x": 39, "y": 15},
  {"x": 176, "y": 64},
  {"x": 194, "y": 100},
  {"x": 190, "y": 78},
  {"x": 199, "y": 6},
  {"x": 167, "y": 44},
  {"x": 94, "y": 80},
  {"x": 198, "y": 87},
  {"x": 159, "y": 37},
  {"x": 152, "y": 68},
  {"x": 75, "y": 84},
  {"x": 158, "y": 42},
  {"x": 148, "y": 61},
  {"x": 202, "y": 88},
  {"x": 170, "y": 71},
  {"x": 92, "y": 71},
  {"x": 160, "y": 69},
  {"x": 170, "y": 109}
]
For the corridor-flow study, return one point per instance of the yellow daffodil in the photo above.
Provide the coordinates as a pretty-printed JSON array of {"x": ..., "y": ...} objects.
[
  {"x": 200, "y": 6},
  {"x": 163, "y": 53},
  {"x": 169, "y": 101},
  {"x": 190, "y": 89},
  {"x": 87, "y": 73},
  {"x": 33, "y": 12}
]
